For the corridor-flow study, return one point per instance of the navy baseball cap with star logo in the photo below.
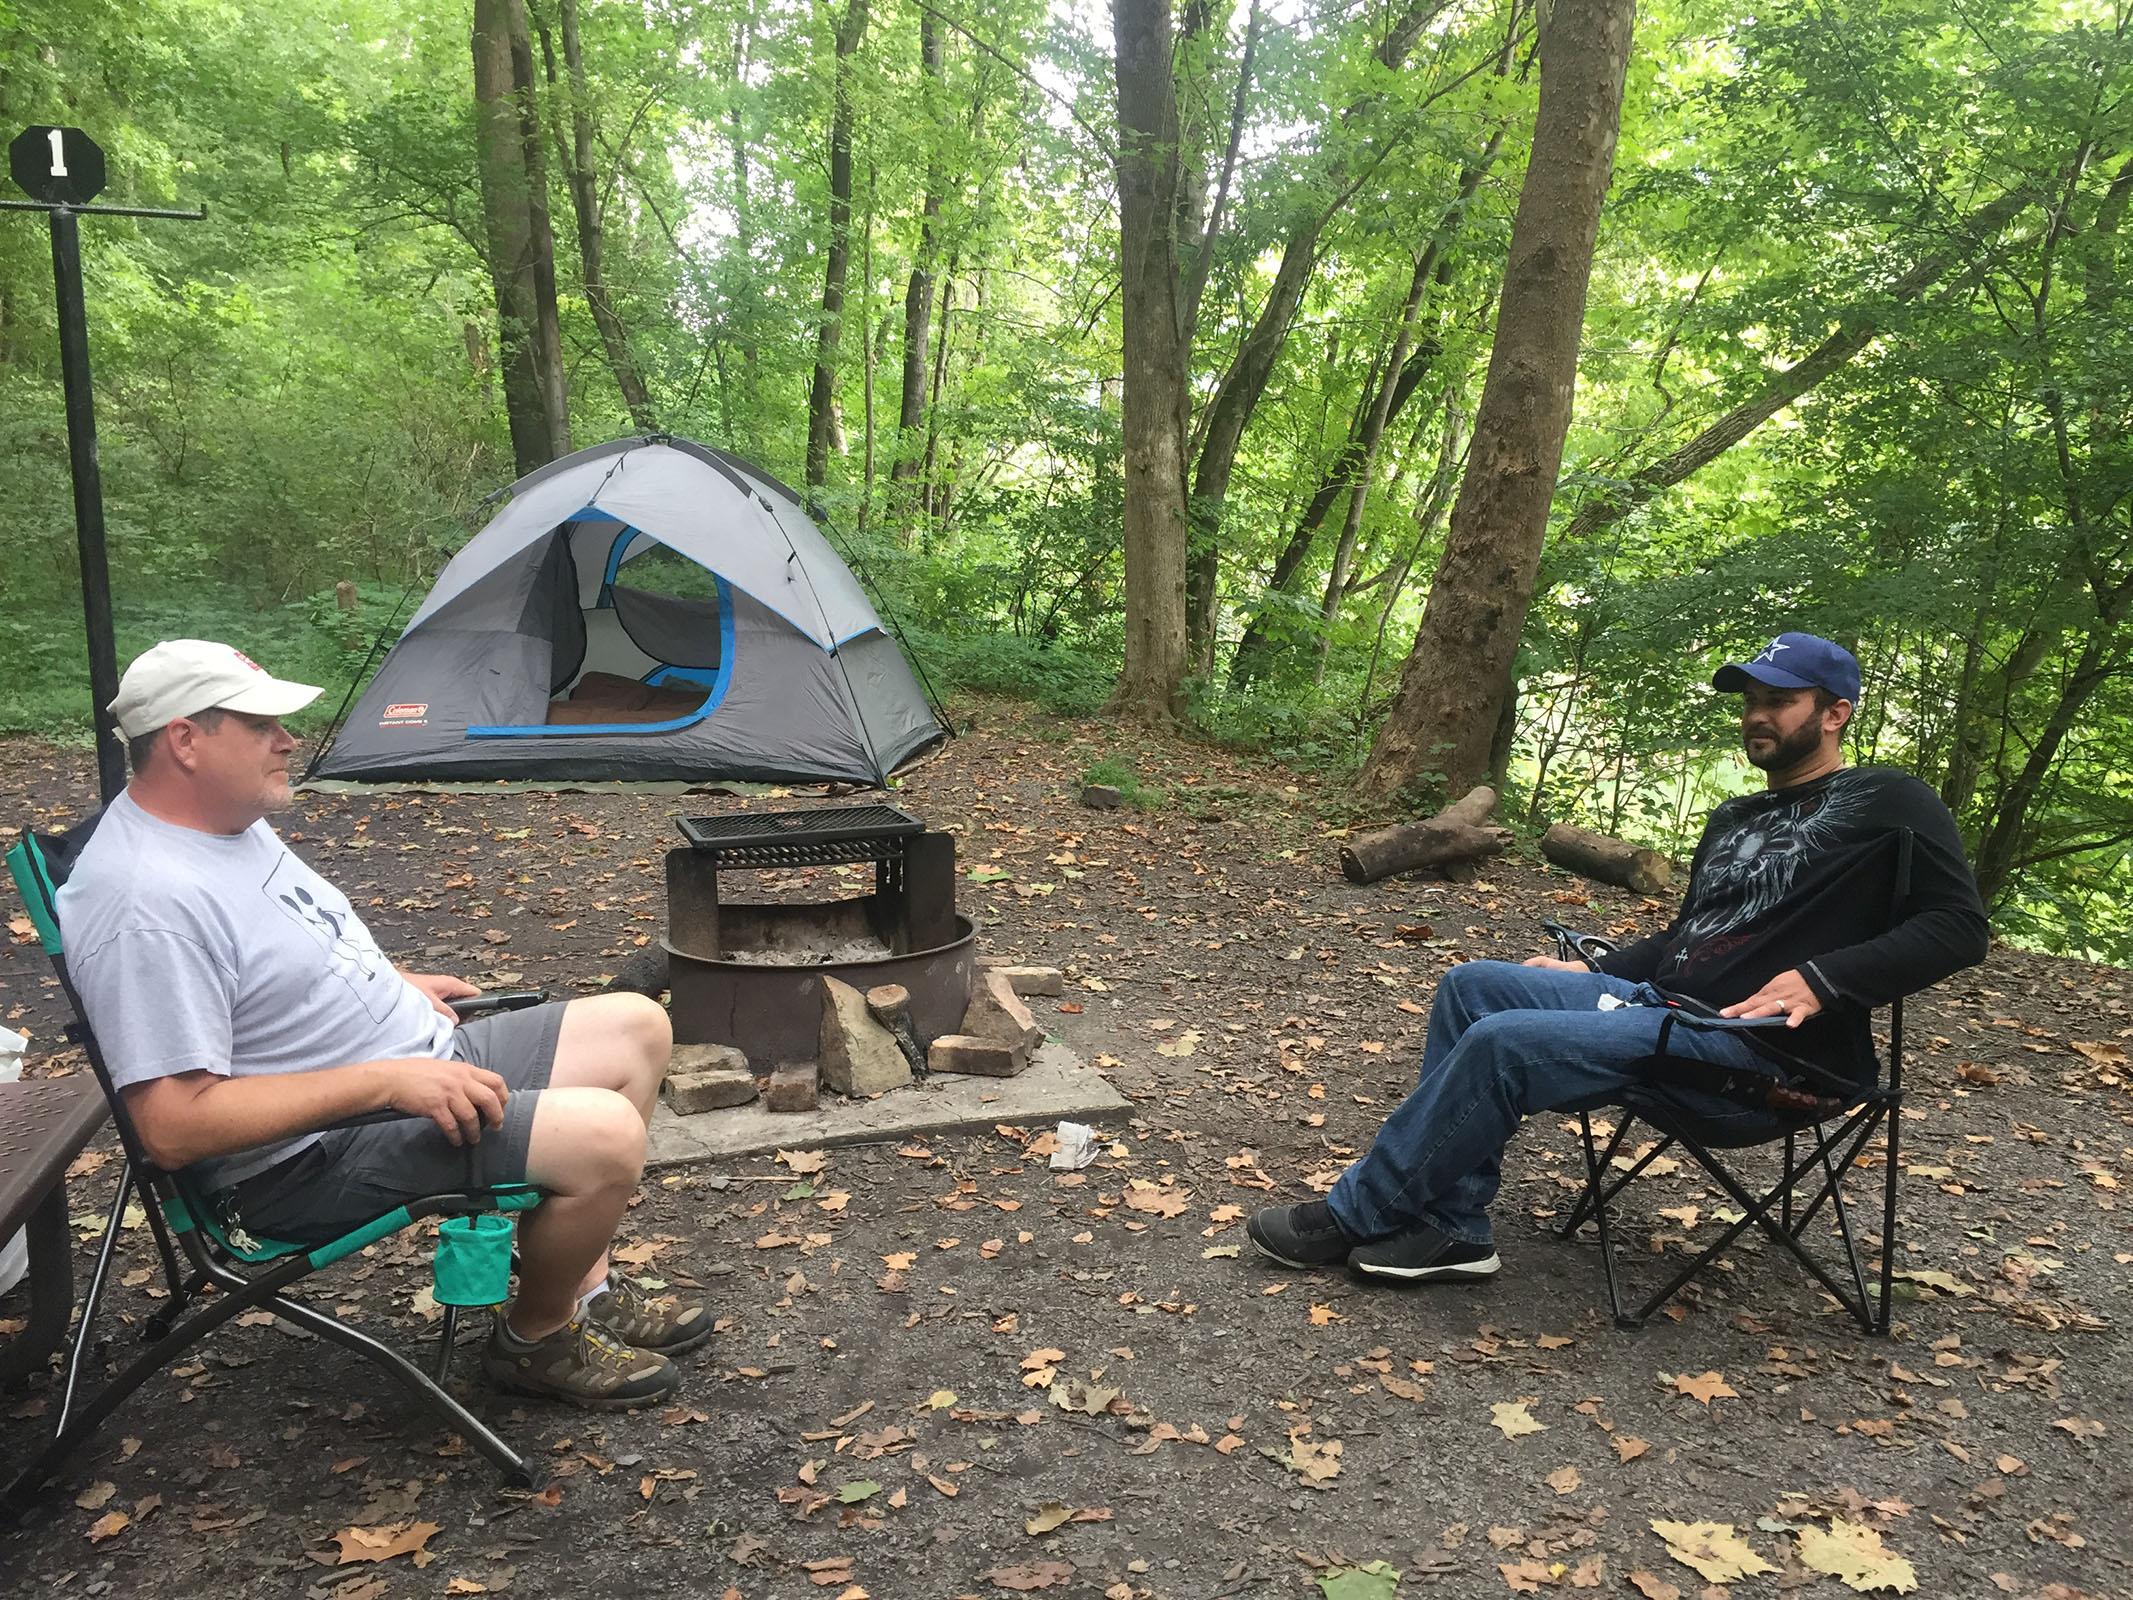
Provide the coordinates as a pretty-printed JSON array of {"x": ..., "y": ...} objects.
[{"x": 1795, "y": 661}]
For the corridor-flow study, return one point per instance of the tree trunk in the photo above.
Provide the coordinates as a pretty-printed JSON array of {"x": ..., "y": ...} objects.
[
  {"x": 1452, "y": 690},
  {"x": 521, "y": 243},
  {"x": 822, "y": 395},
  {"x": 1242, "y": 386},
  {"x": 918, "y": 297},
  {"x": 585, "y": 204},
  {"x": 1157, "y": 396}
]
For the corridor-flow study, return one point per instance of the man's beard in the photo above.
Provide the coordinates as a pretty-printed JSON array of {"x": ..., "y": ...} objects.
[{"x": 1787, "y": 750}]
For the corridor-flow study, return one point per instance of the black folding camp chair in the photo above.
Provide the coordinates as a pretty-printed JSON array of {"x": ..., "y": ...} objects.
[
  {"x": 1819, "y": 1119},
  {"x": 227, "y": 1272}
]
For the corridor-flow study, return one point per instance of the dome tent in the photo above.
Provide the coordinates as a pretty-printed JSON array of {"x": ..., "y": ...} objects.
[{"x": 645, "y": 609}]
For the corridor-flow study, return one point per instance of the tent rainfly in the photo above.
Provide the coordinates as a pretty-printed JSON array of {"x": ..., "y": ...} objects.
[{"x": 645, "y": 609}]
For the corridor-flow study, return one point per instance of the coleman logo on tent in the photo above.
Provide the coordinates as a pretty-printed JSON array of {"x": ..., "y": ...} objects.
[{"x": 406, "y": 715}]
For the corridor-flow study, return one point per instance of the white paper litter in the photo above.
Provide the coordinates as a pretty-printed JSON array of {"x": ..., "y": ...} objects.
[{"x": 1076, "y": 1147}]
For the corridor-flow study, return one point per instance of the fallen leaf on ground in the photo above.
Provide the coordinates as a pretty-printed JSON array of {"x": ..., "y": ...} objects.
[
  {"x": 1853, "y": 1554},
  {"x": 1036, "y": 1575},
  {"x": 1713, "y": 1549},
  {"x": 1566, "y": 1480},
  {"x": 1653, "y": 1587},
  {"x": 1524, "y": 1577},
  {"x": 1515, "y": 1421},
  {"x": 109, "y": 1525},
  {"x": 1706, "y": 1387},
  {"x": 1374, "y": 1580},
  {"x": 1313, "y": 1460},
  {"x": 382, "y": 1544},
  {"x": 1628, "y": 1446},
  {"x": 804, "y": 1160}
]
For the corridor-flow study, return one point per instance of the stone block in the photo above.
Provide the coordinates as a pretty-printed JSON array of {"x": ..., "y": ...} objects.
[
  {"x": 858, "y": 1056},
  {"x": 1102, "y": 797},
  {"x": 705, "y": 1058},
  {"x": 975, "y": 1057},
  {"x": 712, "y": 1089},
  {"x": 996, "y": 1012},
  {"x": 791, "y": 1087},
  {"x": 1034, "y": 981}
]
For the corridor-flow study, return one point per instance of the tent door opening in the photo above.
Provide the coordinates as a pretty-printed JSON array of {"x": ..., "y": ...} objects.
[{"x": 653, "y": 645}]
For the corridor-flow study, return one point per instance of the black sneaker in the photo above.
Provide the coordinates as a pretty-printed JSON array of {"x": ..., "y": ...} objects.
[
  {"x": 1422, "y": 1255},
  {"x": 1300, "y": 1236}
]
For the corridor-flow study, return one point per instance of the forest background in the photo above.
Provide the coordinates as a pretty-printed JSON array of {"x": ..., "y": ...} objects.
[{"x": 1852, "y": 359}]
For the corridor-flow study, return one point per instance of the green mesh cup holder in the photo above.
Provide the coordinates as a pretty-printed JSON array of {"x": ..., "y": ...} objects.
[{"x": 473, "y": 1266}]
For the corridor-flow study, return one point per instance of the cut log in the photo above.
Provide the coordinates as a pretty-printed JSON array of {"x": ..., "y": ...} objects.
[
  {"x": 1594, "y": 855},
  {"x": 1453, "y": 834}
]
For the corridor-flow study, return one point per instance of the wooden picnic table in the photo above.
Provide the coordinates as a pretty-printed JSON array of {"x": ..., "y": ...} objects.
[{"x": 44, "y": 1124}]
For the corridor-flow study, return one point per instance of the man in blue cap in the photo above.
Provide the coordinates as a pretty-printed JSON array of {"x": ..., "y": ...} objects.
[{"x": 1784, "y": 916}]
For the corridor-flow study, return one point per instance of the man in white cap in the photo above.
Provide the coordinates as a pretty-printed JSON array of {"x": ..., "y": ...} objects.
[{"x": 242, "y": 1007}]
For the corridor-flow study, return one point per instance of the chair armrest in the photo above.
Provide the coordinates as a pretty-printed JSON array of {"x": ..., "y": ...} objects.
[
  {"x": 483, "y": 1005},
  {"x": 1570, "y": 944}
]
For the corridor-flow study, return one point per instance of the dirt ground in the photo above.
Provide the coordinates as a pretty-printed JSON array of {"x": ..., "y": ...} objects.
[{"x": 942, "y": 1369}]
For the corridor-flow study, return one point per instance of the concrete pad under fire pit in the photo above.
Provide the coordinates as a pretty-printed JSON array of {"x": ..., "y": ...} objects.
[{"x": 1057, "y": 1083}]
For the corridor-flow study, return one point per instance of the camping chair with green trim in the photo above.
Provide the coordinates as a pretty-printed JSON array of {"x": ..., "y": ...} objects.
[
  {"x": 1821, "y": 1119},
  {"x": 244, "y": 1273}
]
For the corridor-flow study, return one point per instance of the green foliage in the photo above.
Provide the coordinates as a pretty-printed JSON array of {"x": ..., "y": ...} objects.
[
  {"x": 304, "y": 389},
  {"x": 1115, "y": 772}
]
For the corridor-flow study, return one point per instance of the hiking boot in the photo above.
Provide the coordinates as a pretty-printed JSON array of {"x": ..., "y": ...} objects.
[
  {"x": 665, "y": 1324},
  {"x": 1299, "y": 1236},
  {"x": 1422, "y": 1255},
  {"x": 579, "y": 1364}
]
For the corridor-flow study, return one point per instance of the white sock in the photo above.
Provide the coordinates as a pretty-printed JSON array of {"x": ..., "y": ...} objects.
[{"x": 590, "y": 1295}]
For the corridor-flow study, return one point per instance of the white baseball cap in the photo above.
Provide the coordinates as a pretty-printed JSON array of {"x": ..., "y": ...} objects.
[{"x": 184, "y": 677}]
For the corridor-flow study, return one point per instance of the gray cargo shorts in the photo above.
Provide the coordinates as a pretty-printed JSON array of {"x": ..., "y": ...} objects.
[{"x": 354, "y": 1174}]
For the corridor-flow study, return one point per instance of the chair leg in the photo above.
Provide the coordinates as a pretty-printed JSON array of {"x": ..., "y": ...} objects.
[
  {"x": 73, "y": 1429},
  {"x": 445, "y": 1336},
  {"x": 1791, "y": 1160},
  {"x": 1888, "y": 1213},
  {"x": 1842, "y": 1212},
  {"x": 1597, "y": 1194},
  {"x": 506, "y": 1460},
  {"x": 92, "y": 1301},
  {"x": 1584, "y": 1207}
]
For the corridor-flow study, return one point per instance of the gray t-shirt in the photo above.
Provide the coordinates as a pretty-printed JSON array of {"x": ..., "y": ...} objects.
[{"x": 202, "y": 951}]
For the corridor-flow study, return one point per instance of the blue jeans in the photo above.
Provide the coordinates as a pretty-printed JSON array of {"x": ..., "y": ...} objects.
[{"x": 1504, "y": 1042}]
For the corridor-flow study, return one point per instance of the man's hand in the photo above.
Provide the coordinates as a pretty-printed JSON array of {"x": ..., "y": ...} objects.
[
  {"x": 441, "y": 990},
  {"x": 458, "y": 1096},
  {"x": 1554, "y": 964},
  {"x": 1786, "y": 995}
]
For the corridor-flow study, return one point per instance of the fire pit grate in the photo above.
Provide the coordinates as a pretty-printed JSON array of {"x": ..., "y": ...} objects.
[{"x": 819, "y": 837}]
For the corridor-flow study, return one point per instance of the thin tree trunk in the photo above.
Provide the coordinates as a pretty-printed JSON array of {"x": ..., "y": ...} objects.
[
  {"x": 1366, "y": 464},
  {"x": 822, "y": 395},
  {"x": 1451, "y": 694},
  {"x": 1237, "y": 396},
  {"x": 520, "y": 242},
  {"x": 918, "y": 296},
  {"x": 585, "y": 204},
  {"x": 744, "y": 212},
  {"x": 1157, "y": 395}
]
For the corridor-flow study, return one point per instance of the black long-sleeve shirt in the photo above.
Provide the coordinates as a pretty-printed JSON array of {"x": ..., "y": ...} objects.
[{"x": 1805, "y": 878}]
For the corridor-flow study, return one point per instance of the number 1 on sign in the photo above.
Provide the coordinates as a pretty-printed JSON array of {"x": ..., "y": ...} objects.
[{"x": 59, "y": 155}]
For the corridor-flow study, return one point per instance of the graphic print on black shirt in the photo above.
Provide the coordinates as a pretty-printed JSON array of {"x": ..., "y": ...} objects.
[
  {"x": 1750, "y": 859},
  {"x": 1804, "y": 878}
]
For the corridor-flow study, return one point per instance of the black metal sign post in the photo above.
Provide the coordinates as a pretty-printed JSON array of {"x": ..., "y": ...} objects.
[{"x": 62, "y": 170}]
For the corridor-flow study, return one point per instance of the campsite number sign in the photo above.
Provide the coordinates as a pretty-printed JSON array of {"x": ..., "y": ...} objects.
[{"x": 60, "y": 166}]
